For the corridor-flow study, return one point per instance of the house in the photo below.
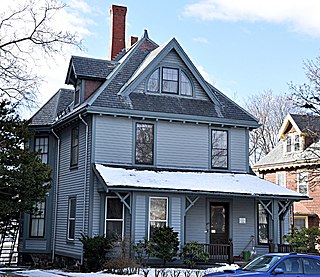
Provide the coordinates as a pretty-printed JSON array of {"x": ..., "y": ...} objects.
[
  {"x": 142, "y": 140},
  {"x": 294, "y": 164}
]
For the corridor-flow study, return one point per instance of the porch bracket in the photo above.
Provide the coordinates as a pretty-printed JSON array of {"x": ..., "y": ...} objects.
[
  {"x": 284, "y": 207},
  {"x": 191, "y": 203},
  {"x": 123, "y": 200},
  {"x": 266, "y": 206}
]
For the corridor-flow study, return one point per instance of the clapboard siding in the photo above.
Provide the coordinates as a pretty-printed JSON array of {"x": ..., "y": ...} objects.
[
  {"x": 238, "y": 150},
  {"x": 36, "y": 245},
  {"x": 96, "y": 209},
  {"x": 243, "y": 208},
  {"x": 196, "y": 222},
  {"x": 182, "y": 145},
  {"x": 140, "y": 213},
  {"x": 176, "y": 215},
  {"x": 113, "y": 140}
]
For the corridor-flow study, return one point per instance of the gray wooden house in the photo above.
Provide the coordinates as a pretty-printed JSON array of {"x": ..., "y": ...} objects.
[{"x": 142, "y": 140}]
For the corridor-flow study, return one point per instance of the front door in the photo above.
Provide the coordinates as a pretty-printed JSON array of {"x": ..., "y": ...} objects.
[{"x": 219, "y": 223}]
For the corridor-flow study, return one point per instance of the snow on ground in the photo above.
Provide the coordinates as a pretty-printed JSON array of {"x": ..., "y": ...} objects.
[{"x": 57, "y": 273}]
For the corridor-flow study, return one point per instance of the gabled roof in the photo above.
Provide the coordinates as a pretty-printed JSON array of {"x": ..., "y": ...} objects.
[
  {"x": 54, "y": 106},
  {"x": 227, "y": 184}
]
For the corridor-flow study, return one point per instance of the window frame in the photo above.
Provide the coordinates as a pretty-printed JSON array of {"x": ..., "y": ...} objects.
[
  {"x": 71, "y": 200},
  {"x": 288, "y": 144},
  {"x": 305, "y": 182},
  {"x": 219, "y": 149},
  {"x": 38, "y": 146},
  {"x": 266, "y": 224},
  {"x": 304, "y": 217},
  {"x": 113, "y": 220},
  {"x": 166, "y": 221},
  {"x": 38, "y": 217},
  {"x": 177, "y": 82},
  {"x": 281, "y": 175},
  {"x": 180, "y": 75},
  {"x": 74, "y": 147},
  {"x": 136, "y": 141},
  {"x": 297, "y": 143}
]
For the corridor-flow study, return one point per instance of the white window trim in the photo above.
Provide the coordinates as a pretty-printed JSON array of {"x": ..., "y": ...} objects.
[
  {"x": 278, "y": 174},
  {"x": 298, "y": 181},
  {"x": 292, "y": 146},
  {"x": 71, "y": 218},
  {"x": 302, "y": 217},
  {"x": 114, "y": 220},
  {"x": 167, "y": 210}
]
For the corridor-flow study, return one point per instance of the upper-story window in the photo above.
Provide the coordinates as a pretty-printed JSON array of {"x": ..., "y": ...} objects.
[
  {"x": 288, "y": 140},
  {"x": 303, "y": 182},
  {"x": 296, "y": 143},
  {"x": 281, "y": 178},
  {"x": 171, "y": 80},
  {"x": 293, "y": 143},
  {"x": 74, "y": 146},
  {"x": 41, "y": 144},
  {"x": 144, "y": 143},
  {"x": 219, "y": 149},
  {"x": 77, "y": 93}
]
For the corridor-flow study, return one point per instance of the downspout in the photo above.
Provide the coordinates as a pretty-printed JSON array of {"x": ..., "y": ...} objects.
[
  {"x": 85, "y": 180},
  {"x": 55, "y": 197}
]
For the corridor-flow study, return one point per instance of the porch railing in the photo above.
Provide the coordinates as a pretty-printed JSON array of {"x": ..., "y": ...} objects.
[
  {"x": 280, "y": 248},
  {"x": 220, "y": 252}
]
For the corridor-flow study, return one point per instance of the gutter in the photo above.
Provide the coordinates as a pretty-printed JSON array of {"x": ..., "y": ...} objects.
[
  {"x": 55, "y": 197},
  {"x": 85, "y": 181}
]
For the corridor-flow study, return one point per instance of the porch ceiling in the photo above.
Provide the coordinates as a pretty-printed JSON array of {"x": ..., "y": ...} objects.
[{"x": 197, "y": 182}]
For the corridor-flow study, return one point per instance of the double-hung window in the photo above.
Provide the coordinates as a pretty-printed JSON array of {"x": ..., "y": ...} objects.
[
  {"x": 281, "y": 178},
  {"x": 263, "y": 225},
  {"x": 170, "y": 80},
  {"x": 303, "y": 182},
  {"x": 114, "y": 218},
  {"x": 37, "y": 221},
  {"x": 72, "y": 218},
  {"x": 219, "y": 149},
  {"x": 288, "y": 141},
  {"x": 144, "y": 143},
  {"x": 296, "y": 143},
  {"x": 74, "y": 146},
  {"x": 158, "y": 213}
]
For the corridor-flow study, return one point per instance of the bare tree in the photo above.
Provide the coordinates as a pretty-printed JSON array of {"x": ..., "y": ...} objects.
[
  {"x": 26, "y": 36},
  {"x": 270, "y": 110}
]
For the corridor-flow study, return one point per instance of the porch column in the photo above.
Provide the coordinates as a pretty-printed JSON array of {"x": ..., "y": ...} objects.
[{"x": 275, "y": 222}]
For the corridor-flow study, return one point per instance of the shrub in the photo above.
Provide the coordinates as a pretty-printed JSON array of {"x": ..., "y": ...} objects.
[
  {"x": 94, "y": 251},
  {"x": 163, "y": 244},
  {"x": 140, "y": 250},
  {"x": 304, "y": 240},
  {"x": 193, "y": 252},
  {"x": 121, "y": 266}
]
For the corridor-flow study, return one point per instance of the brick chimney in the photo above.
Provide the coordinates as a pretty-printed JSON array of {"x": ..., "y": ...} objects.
[{"x": 118, "y": 30}]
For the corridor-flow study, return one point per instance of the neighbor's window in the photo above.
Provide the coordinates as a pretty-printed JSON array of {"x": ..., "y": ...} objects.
[
  {"x": 153, "y": 82},
  {"x": 170, "y": 80},
  {"x": 219, "y": 149},
  {"x": 72, "y": 218},
  {"x": 296, "y": 143},
  {"x": 74, "y": 146},
  {"x": 186, "y": 88},
  {"x": 300, "y": 222},
  {"x": 37, "y": 220},
  {"x": 114, "y": 217},
  {"x": 288, "y": 140},
  {"x": 263, "y": 225},
  {"x": 41, "y": 144},
  {"x": 281, "y": 178},
  {"x": 144, "y": 148},
  {"x": 158, "y": 213},
  {"x": 303, "y": 182}
]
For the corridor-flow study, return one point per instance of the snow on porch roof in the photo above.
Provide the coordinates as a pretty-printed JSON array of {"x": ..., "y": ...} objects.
[{"x": 219, "y": 183}]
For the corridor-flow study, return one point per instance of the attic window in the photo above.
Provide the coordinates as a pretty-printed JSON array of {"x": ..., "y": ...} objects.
[
  {"x": 171, "y": 80},
  {"x": 296, "y": 143},
  {"x": 288, "y": 144}
]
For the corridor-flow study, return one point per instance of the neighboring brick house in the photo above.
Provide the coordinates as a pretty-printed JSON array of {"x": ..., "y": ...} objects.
[{"x": 294, "y": 164}]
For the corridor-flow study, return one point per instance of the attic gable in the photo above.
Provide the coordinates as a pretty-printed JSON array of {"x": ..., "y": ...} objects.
[
  {"x": 288, "y": 125},
  {"x": 170, "y": 55}
]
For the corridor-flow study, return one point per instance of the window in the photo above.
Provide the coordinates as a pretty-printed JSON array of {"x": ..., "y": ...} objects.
[
  {"x": 311, "y": 266},
  {"x": 114, "y": 217},
  {"x": 296, "y": 143},
  {"x": 170, "y": 80},
  {"x": 74, "y": 146},
  {"x": 281, "y": 178},
  {"x": 37, "y": 221},
  {"x": 173, "y": 80},
  {"x": 144, "y": 148},
  {"x": 77, "y": 93},
  {"x": 158, "y": 213},
  {"x": 263, "y": 225},
  {"x": 71, "y": 218},
  {"x": 186, "y": 88},
  {"x": 288, "y": 144},
  {"x": 41, "y": 144},
  {"x": 303, "y": 182},
  {"x": 300, "y": 222},
  {"x": 219, "y": 149},
  {"x": 153, "y": 83}
]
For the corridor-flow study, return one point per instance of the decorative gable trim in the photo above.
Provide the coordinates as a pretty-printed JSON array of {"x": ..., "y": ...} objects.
[
  {"x": 288, "y": 120},
  {"x": 154, "y": 58}
]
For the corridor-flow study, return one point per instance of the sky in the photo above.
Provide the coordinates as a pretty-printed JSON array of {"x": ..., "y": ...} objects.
[{"x": 243, "y": 47}]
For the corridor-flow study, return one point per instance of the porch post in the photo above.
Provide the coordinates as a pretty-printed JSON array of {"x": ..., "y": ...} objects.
[{"x": 275, "y": 222}]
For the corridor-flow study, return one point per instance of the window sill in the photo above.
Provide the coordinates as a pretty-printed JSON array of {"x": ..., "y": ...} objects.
[
  {"x": 73, "y": 167},
  {"x": 70, "y": 241}
]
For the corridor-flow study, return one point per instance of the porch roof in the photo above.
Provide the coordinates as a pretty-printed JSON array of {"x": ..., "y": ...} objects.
[{"x": 192, "y": 182}]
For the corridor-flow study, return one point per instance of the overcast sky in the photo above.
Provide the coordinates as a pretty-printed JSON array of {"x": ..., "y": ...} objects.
[{"x": 242, "y": 46}]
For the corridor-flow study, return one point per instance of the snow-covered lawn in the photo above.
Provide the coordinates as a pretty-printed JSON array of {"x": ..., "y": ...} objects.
[{"x": 169, "y": 272}]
